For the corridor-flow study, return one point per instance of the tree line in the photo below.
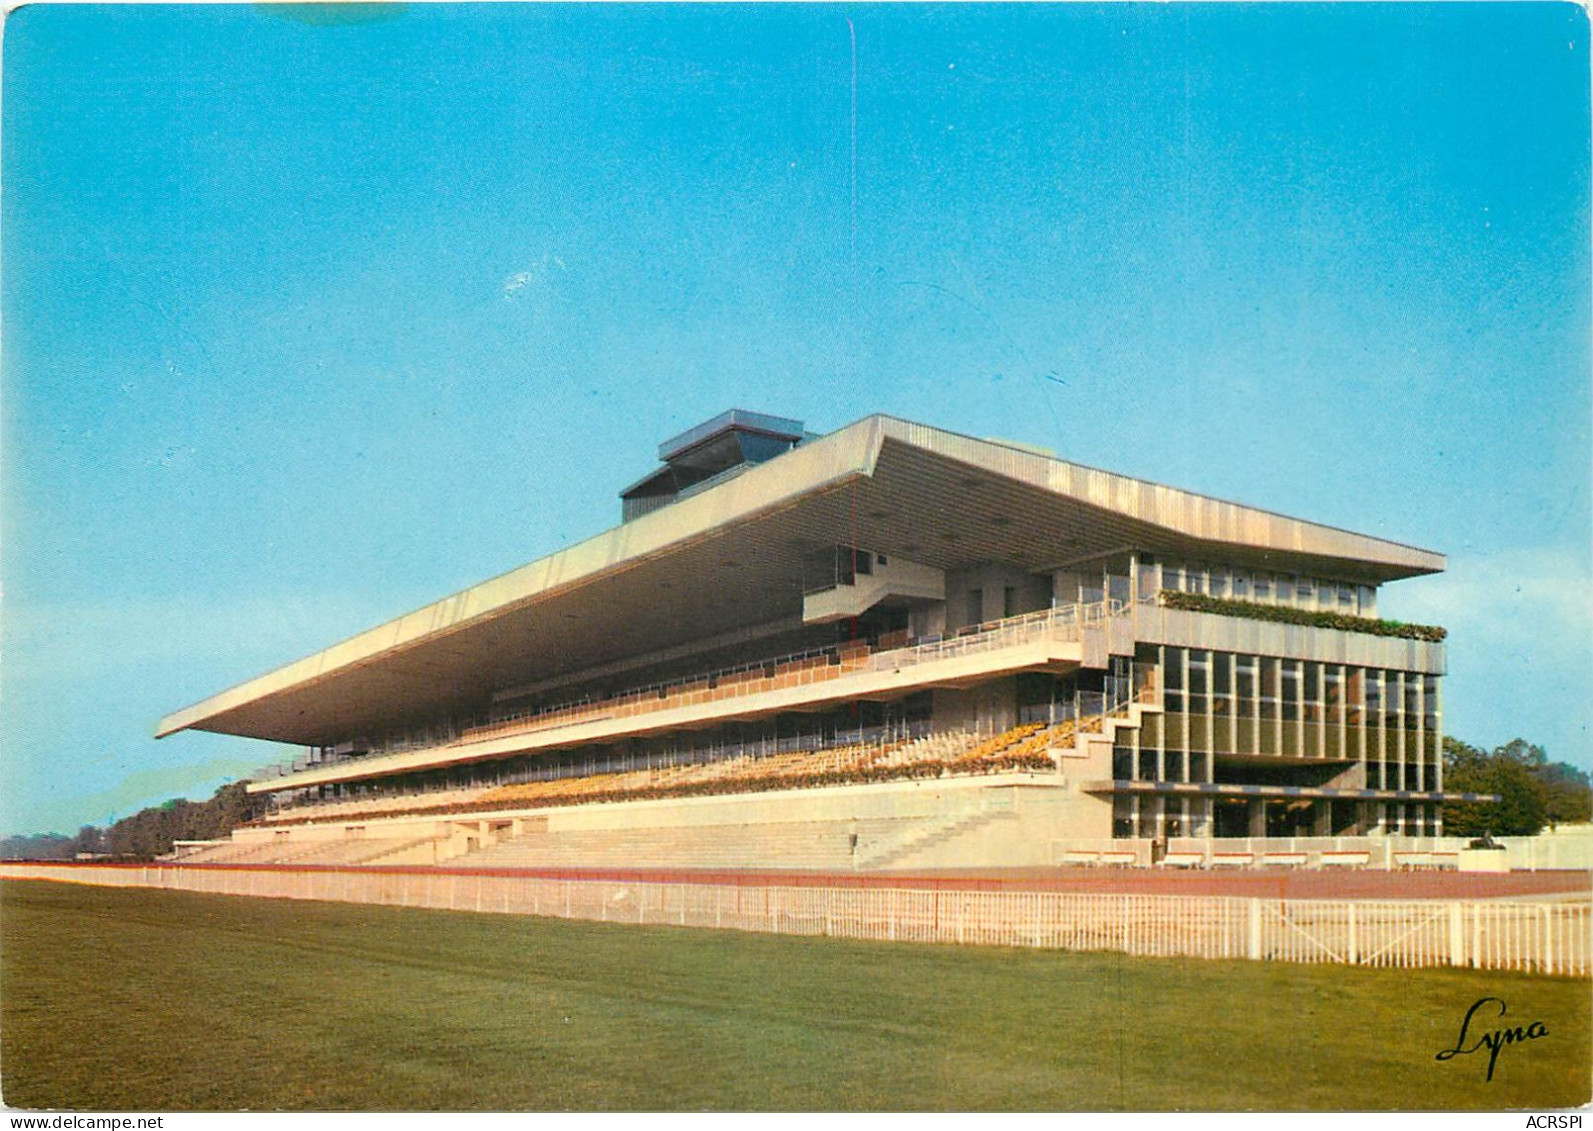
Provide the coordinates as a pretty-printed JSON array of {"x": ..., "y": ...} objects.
[{"x": 147, "y": 833}]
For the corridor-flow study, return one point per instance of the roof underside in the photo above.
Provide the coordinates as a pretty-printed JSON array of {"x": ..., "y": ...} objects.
[{"x": 732, "y": 557}]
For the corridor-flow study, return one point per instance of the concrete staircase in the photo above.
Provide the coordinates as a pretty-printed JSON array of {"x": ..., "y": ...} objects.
[{"x": 923, "y": 836}]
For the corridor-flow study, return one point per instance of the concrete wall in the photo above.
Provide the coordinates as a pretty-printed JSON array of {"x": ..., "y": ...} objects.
[
  {"x": 987, "y": 708},
  {"x": 928, "y": 619},
  {"x": 1031, "y": 592},
  {"x": 1006, "y": 820}
]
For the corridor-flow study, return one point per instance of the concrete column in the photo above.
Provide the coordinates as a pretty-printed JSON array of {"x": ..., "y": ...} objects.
[
  {"x": 1322, "y": 817},
  {"x": 1257, "y": 809}
]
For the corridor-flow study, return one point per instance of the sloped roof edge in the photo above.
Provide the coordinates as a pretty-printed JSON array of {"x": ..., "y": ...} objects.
[
  {"x": 818, "y": 465},
  {"x": 835, "y": 458}
]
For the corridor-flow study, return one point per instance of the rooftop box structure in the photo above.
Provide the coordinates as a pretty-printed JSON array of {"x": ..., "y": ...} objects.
[{"x": 710, "y": 453}]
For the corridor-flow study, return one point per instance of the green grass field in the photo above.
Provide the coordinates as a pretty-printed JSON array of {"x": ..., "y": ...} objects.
[{"x": 125, "y": 999}]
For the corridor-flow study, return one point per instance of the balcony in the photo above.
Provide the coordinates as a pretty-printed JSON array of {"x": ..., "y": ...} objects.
[
  {"x": 858, "y": 592},
  {"x": 802, "y": 681}
]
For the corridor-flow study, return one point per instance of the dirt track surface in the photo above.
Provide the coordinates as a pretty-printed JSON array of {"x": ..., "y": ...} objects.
[{"x": 1268, "y": 883}]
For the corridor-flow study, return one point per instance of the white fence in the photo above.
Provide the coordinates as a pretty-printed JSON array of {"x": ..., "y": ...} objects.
[{"x": 1545, "y": 937}]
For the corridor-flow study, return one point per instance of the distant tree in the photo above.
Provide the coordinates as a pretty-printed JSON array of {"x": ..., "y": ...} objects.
[
  {"x": 89, "y": 841},
  {"x": 1523, "y": 753},
  {"x": 1509, "y": 771},
  {"x": 43, "y": 846},
  {"x": 1570, "y": 793},
  {"x": 151, "y": 832}
]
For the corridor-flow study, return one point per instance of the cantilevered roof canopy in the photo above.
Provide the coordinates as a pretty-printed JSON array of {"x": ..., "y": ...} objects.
[{"x": 731, "y": 557}]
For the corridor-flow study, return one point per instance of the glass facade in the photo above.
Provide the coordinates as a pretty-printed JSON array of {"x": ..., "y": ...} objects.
[
  {"x": 1237, "y": 718},
  {"x": 1266, "y": 587}
]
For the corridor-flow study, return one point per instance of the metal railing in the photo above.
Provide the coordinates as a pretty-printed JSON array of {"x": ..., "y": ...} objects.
[
  {"x": 800, "y": 669},
  {"x": 1066, "y": 622},
  {"x": 796, "y": 669}
]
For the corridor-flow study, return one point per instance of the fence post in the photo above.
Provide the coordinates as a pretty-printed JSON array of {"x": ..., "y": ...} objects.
[
  {"x": 1255, "y": 928},
  {"x": 1457, "y": 936},
  {"x": 1351, "y": 955}
]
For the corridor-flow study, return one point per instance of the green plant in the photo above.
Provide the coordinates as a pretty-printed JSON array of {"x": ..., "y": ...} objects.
[{"x": 1283, "y": 614}]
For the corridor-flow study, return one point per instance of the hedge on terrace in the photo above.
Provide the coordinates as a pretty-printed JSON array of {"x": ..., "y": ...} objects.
[{"x": 1283, "y": 614}]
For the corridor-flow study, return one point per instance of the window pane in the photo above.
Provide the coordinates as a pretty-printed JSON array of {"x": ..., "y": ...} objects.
[{"x": 1175, "y": 669}]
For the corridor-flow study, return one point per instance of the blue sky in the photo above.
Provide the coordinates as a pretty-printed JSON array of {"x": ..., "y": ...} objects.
[{"x": 310, "y": 320}]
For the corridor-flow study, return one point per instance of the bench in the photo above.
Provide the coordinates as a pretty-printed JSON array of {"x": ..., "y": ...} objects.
[
  {"x": 1232, "y": 859},
  {"x": 1346, "y": 859},
  {"x": 1184, "y": 860},
  {"x": 1446, "y": 860},
  {"x": 1081, "y": 858},
  {"x": 1120, "y": 859},
  {"x": 1284, "y": 859}
]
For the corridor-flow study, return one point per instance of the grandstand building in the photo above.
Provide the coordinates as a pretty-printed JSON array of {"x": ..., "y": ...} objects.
[{"x": 886, "y": 647}]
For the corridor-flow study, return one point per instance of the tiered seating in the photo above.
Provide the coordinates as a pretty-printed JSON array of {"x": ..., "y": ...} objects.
[
  {"x": 284, "y": 850},
  {"x": 246, "y": 852},
  {"x": 694, "y": 691},
  {"x": 936, "y": 749},
  {"x": 1024, "y": 747},
  {"x": 1034, "y": 752},
  {"x": 375, "y": 806},
  {"x": 363, "y": 850},
  {"x": 995, "y": 751},
  {"x": 726, "y": 775},
  {"x": 958, "y": 752}
]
